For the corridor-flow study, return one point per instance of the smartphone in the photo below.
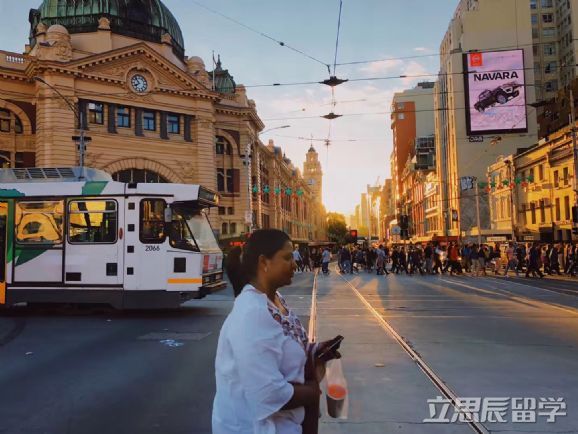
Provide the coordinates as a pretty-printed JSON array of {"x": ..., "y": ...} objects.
[{"x": 332, "y": 347}]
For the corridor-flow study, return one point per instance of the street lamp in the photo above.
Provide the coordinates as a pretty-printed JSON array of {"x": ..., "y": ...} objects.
[
  {"x": 247, "y": 163},
  {"x": 80, "y": 118}
]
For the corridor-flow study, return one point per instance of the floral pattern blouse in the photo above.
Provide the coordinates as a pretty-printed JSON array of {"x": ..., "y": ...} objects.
[{"x": 290, "y": 323}]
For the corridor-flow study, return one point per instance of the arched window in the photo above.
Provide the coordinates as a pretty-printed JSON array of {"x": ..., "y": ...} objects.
[
  {"x": 222, "y": 146},
  {"x": 224, "y": 229},
  {"x": 5, "y": 121},
  {"x": 139, "y": 175},
  {"x": 6, "y": 117}
]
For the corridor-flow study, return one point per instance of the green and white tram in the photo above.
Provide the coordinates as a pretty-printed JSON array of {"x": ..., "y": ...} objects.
[{"x": 67, "y": 238}]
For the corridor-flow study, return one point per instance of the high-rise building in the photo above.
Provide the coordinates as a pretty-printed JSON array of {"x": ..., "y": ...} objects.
[
  {"x": 478, "y": 27},
  {"x": 554, "y": 22},
  {"x": 411, "y": 117}
]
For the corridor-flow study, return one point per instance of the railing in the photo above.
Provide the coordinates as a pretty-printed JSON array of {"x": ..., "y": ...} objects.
[{"x": 12, "y": 58}]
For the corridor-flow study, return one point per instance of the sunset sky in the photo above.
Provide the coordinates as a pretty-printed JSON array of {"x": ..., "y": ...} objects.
[{"x": 370, "y": 29}]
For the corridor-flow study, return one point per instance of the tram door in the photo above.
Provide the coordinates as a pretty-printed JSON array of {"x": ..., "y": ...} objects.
[{"x": 3, "y": 248}]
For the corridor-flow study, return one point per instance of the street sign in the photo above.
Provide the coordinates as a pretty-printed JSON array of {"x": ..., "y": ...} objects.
[
  {"x": 248, "y": 217},
  {"x": 529, "y": 238},
  {"x": 476, "y": 139},
  {"x": 467, "y": 183},
  {"x": 497, "y": 239}
]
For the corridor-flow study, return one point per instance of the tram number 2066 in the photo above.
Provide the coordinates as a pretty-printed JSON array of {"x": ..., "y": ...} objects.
[{"x": 152, "y": 248}]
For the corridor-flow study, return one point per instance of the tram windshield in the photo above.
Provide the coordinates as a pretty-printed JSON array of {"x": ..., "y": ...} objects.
[{"x": 191, "y": 230}]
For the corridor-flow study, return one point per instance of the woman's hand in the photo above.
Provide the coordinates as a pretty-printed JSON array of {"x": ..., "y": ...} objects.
[{"x": 328, "y": 350}]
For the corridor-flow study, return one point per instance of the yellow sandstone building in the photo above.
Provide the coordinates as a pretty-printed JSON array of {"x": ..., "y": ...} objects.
[
  {"x": 118, "y": 69},
  {"x": 530, "y": 192}
]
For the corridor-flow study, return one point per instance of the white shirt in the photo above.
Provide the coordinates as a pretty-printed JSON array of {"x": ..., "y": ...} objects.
[
  {"x": 326, "y": 256},
  {"x": 255, "y": 363},
  {"x": 296, "y": 256}
]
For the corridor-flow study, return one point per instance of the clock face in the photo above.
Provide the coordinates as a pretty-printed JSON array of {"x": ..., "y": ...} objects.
[{"x": 139, "y": 83}]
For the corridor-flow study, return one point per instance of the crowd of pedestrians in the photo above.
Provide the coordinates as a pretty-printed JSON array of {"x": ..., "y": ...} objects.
[
  {"x": 531, "y": 259},
  {"x": 307, "y": 260}
]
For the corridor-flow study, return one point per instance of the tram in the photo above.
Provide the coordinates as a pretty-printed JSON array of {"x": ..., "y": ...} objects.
[{"x": 72, "y": 235}]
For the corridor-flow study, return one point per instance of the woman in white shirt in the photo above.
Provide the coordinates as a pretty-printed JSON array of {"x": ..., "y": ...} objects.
[{"x": 265, "y": 365}]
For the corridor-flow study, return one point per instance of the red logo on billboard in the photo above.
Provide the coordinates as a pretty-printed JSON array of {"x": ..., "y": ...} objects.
[{"x": 476, "y": 59}]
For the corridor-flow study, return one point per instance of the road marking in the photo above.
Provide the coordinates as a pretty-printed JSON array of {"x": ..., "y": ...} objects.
[
  {"x": 429, "y": 372},
  {"x": 516, "y": 297},
  {"x": 313, "y": 314},
  {"x": 555, "y": 289},
  {"x": 188, "y": 336}
]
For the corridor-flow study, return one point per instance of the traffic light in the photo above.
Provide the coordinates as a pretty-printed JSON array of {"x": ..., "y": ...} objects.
[
  {"x": 404, "y": 222},
  {"x": 353, "y": 235}
]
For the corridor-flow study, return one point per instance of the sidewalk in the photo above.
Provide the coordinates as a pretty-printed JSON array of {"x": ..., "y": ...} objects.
[{"x": 388, "y": 391}]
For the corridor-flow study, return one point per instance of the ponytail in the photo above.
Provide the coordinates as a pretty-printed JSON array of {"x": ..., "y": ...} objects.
[
  {"x": 242, "y": 264},
  {"x": 235, "y": 271}
]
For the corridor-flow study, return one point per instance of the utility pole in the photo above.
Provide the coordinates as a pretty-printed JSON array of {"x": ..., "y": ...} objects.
[
  {"x": 477, "y": 193},
  {"x": 574, "y": 148},
  {"x": 368, "y": 216}
]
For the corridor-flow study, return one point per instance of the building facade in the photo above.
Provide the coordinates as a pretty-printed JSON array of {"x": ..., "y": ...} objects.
[
  {"x": 531, "y": 192},
  {"x": 118, "y": 70},
  {"x": 477, "y": 25},
  {"x": 411, "y": 117},
  {"x": 554, "y": 22}
]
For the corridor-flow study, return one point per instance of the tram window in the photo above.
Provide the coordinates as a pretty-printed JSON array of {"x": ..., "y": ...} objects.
[
  {"x": 39, "y": 222},
  {"x": 152, "y": 221},
  {"x": 92, "y": 221}
]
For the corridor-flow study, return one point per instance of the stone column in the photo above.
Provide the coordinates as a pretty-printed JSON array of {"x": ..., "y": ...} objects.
[
  {"x": 205, "y": 172},
  {"x": 55, "y": 123}
]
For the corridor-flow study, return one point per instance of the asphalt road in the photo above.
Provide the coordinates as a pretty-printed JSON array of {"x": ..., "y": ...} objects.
[
  {"x": 484, "y": 337},
  {"x": 83, "y": 372}
]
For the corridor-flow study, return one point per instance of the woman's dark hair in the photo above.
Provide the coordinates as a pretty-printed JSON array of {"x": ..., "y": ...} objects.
[{"x": 242, "y": 263}]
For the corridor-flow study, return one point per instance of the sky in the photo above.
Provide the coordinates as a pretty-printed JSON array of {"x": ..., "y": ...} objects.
[{"x": 361, "y": 140}]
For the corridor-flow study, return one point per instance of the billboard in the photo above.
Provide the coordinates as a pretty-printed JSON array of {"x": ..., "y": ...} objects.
[{"x": 495, "y": 92}]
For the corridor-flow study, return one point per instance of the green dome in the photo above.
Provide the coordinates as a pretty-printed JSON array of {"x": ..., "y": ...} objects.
[{"x": 141, "y": 19}]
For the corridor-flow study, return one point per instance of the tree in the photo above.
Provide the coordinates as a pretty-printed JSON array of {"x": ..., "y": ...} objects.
[{"x": 336, "y": 227}]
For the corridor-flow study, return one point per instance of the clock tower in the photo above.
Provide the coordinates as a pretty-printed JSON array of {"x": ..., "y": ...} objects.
[{"x": 313, "y": 174}]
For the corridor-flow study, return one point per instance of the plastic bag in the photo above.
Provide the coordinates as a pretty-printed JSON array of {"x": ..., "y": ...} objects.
[{"x": 336, "y": 390}]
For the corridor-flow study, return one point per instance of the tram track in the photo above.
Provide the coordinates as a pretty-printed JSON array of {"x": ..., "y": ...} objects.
[
  {"x": 313, "y": 313},
  {"x": 409, "y": 349}
]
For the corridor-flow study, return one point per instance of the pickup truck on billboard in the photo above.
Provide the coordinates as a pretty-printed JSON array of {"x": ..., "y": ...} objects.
[{"x": 500, "y": 95}]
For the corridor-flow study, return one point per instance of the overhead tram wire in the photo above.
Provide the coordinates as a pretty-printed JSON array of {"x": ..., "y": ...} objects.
[
  {"x": 403, "y": 76},
  {"x": 337, "y": 38},
  {"x": 251, "y": 29},
  {"x": 482, "y": 50},
  {"x": 392, "y": 112}
]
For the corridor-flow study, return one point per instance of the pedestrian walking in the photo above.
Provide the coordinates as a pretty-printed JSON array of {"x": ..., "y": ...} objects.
[
  {"x": 306, "y": 260},
  {"x": 512, "y": 263},
  {"x": 534, "y": 262},
  {"x": 325, "y": 259},
  {"x": 265, "y": 367},
  {"x": 475, "y": 258}
]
